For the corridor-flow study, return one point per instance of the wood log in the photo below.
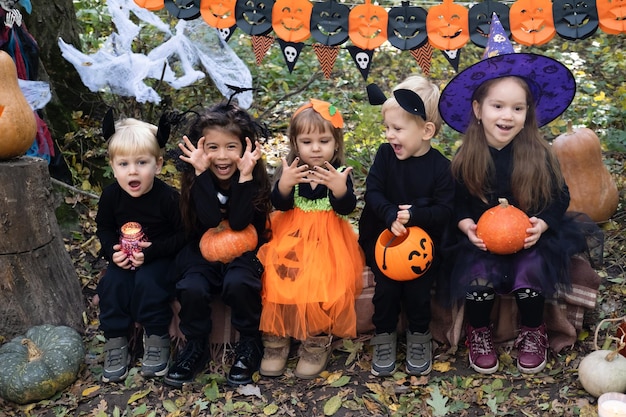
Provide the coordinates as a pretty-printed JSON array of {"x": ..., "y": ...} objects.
[{"x": 38, "y": 282}]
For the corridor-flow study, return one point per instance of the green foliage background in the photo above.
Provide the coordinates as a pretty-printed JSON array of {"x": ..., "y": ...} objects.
[{"x": 599, "y": 65}]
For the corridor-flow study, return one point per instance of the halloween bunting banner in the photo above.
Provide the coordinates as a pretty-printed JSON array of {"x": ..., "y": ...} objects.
[{"x": 365, "y": 26}]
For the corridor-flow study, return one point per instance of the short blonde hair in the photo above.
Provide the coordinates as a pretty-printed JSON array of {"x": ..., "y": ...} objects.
[
  {"x": 428, "y": 92},
  {"x": 133, "y": 137}
]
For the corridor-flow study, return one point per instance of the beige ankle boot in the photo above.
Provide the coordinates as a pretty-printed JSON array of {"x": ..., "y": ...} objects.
[
  {"x": 314, "y": 354},
  {"x": 275, "y": 355}
]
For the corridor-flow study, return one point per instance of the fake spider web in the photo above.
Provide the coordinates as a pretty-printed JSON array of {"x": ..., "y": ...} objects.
[{"x": 192, "y": 45}]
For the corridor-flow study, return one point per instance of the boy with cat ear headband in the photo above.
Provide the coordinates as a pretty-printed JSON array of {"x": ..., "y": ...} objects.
[{"x": 409, "y": 184}]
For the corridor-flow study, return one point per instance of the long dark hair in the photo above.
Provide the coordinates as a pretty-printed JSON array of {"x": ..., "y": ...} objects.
[
  {"x": 536, "y": 172},
  {"x": 230, "y": 118}
]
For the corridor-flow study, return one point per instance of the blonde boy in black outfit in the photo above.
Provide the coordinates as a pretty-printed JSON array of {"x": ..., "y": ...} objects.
[{"x": 409, "y": 184}]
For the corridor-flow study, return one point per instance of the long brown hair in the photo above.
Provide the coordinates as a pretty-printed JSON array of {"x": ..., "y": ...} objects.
[
  {"x": 536, "y": 172},
  {"x": 236, "y": 121},
  {"x": 307, "y": 121}
]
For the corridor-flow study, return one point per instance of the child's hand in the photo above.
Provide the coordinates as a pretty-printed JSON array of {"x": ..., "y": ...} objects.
[
  {"x": 468, "y": 227},
  {"x": 535, "y": 231},
  {"x": 336, "y": 181},
  {"x": 247, "y": 162},
  {"x": 292, "y": 175},
  {"x": 121, "y": 258},
  {"x": 196, "y": 157},
  {"x": 398, "y": 228},
  {"x": 138, "y": 258},
  {"x": 404, "y": 214}
]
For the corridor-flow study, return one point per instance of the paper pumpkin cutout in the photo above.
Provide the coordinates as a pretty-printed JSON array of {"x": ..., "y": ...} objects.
[
  {"x": 367, "y": 25},
  {"x": 612, "y": 16},
  {"x": 219, "y": 14},
  {"x": 575, "y": 19},
  {"x": 362, "y": 58},
  {"x": 152, "y": 5},
  {"x": 183, "y": 9},
  {"x": 531, "y": 21},
  {"x": 329, "y": 22},
  {"x": 291, "y": 19},
  {"x": 447, "y": 25},
  {"x": 291, "y": 52},
  {"x": 254, "y": 17},
  {"x": 480, "y": 20},
  {"x": 406, "y": 28}
]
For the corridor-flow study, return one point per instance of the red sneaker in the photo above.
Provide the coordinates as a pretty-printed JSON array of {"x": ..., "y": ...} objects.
[
  {"x": 482, "y": 354},
  {"x": 532, "y": 346}
]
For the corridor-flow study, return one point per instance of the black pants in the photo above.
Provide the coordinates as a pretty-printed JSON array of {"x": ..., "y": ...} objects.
[
  {"x": 239, "y": 285},
  {"x": 142, "y": 295},
  {"x": 412, "y": 297}
]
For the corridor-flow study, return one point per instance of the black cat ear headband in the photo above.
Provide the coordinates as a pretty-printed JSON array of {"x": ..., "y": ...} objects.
[
  {"x": 168, "y": 118},
  {"x": 409, "y": 100}
]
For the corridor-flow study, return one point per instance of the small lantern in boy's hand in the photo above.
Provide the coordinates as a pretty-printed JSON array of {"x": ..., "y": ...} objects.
[{"x": 131, "y": 235}]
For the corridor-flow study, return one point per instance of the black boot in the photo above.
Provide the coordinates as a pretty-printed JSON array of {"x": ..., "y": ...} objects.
[
  {"x": 188, "y": 363},
  {"x": 248, "y": 356}
]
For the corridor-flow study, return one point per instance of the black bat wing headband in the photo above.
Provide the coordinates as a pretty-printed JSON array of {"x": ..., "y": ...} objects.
[{"x": 409, "y": 100}]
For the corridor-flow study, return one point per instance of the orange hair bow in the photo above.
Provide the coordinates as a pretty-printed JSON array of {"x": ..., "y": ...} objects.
[{"x": 324, "y": 109}]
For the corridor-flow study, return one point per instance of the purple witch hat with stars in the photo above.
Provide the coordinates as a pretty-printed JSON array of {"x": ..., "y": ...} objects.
[{"x": 552, "y": 84}]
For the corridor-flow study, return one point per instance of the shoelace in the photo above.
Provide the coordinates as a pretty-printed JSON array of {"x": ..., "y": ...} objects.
[
  {"x": 153, "y": 353},
  {"x": 417, "y": 351},
  {"x": 383, "y": 351},
  {"x": 481, "y": 341},
  {"x": 530, "y": 341},
  {"x": 114, "y": 357}
]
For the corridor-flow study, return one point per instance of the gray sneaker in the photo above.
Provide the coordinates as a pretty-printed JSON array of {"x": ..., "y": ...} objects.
[
  {"x": 116, "y": 360},
  {"x": 156, "y": 355},
  {"x": 419, "y": 353},
  {"x": 384, "y": 360}
]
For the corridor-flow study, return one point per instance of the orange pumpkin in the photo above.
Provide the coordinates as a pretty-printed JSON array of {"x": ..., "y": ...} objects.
[
  {"x": 291, "y": 20},
  {"x": 223, "y": 244},
  {"x": 406, "y": 257},
  {"x": 591, "y": 187},
  {"x": 151, "y": 4},
  {"x": 18, "y": 126},
  {"x": 503, "y": 228},
  {"x": 612, "y": 15},
  {"x": 219, "y": 14}
]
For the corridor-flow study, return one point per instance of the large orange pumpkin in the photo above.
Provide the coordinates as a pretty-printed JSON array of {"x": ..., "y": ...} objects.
[
  {"x": 223, "y": 244},
  {"x": 406, "y": 257},
  {"x": 18, "y": 126},
  {"x": 592, "y": 189},
  {"x": 503, "y": 228}
]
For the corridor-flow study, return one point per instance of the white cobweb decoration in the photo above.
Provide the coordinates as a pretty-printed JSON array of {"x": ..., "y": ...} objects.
[{"x": 193, "y": 45}]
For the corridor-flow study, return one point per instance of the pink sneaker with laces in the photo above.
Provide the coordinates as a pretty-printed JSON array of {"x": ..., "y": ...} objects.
[
  {"x": 532, "y": 347},
  {"x": 482, "y": 354}
]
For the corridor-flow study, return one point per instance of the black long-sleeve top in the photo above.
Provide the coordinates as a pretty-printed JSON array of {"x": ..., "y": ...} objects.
[
  {"x": 469, "y": 206},
  {"x": 425, "y": 182},
  {"x": 157, "y": 211},
  {"x": 343, "y": 206},
  {"x": 213, "y": 204}
]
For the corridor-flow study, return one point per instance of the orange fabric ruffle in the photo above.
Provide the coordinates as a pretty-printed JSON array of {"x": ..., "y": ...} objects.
[{"x": 313, "y": 274}]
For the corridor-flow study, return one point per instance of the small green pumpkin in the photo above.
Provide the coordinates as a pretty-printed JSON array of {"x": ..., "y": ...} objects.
[{"x": 37, "y": 365}]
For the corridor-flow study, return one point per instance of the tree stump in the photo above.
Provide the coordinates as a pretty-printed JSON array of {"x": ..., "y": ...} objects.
[{"x": 38, "y": 282}]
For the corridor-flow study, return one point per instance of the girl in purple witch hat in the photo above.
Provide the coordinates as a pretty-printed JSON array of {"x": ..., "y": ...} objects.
[{"x": 499, "y": 104}]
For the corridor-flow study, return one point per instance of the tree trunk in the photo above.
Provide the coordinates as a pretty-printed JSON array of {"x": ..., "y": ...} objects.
[
  {"x": 38, "y": 282},
  {"x": 49, "y": 21}
]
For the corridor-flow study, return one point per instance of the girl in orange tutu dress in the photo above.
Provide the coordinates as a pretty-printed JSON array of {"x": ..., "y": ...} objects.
[{"x": 313, "y": 264}]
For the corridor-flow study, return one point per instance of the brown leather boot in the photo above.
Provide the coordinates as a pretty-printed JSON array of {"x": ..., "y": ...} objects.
[
  {"x": 275, "y": 355},
  {"x": 314, "y": 355}
]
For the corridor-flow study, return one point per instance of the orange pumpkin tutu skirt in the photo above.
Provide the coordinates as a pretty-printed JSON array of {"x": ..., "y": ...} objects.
[{"x": 313, "y": 274}]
